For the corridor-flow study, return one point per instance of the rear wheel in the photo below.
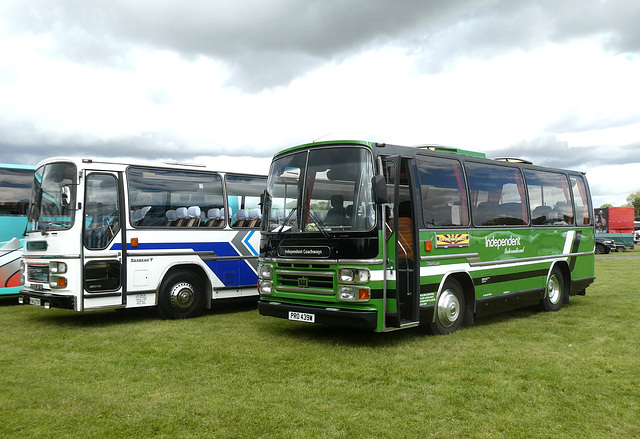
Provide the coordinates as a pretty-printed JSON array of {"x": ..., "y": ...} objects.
[
  {"x": 181, "y": 296},
  {"x": 449, "y": 310},
  {"x": 554, "y": 291},
  {"x": 600, "y": 250}
]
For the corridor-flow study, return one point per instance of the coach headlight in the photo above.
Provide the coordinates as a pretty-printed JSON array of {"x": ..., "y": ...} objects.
[
  {"x": 23, "y": 272},
  {"x": 346, "y": 275},
  {"x": 353, "y": 293},
  {"x": 353, "y": 275},
  {"x": 57, "y": 282},
  {"x": 265, "y": 286},
  {"x": 363, "y": 276},
  {"x": 265, "y": 271},
  {"x": 57, "y": 267},
  {"x": 346, "y": 293}
]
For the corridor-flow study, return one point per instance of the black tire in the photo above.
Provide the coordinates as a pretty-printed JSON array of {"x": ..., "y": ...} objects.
[
  {"x": 181, "y": 296},
  {"x": 449, "y": 309},
  {"x": 600, "y": 249},
  {"x": 554, "y": 291}
]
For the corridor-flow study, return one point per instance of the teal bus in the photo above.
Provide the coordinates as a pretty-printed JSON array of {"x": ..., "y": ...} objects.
[
  {"x": 383, "y": 237},
  {"x": 15, "y": 190}
]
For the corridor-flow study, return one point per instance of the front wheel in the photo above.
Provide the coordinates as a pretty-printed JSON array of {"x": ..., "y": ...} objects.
[
  {"x": 449, "y": 310},
  {"x": 554, "y": 291},
  {"x": 181, "y": 296}
]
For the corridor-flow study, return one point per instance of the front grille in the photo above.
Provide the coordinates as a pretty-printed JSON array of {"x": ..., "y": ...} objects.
[
  {"x": 38, "y": 273},
  {"x": 304, "y": 265},
  {"x": 315, "y": 282}
]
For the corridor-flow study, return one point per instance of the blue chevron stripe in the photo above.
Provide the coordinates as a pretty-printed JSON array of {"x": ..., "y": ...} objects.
[
  {"x": 232, "y": 273},
  {"x": 245, "y": 241}
]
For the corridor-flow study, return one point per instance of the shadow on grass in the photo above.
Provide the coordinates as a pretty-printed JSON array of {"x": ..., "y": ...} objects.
[
  {"x": 9, "y": 300},
  {"x": 508, "y": 316},
  {"x": 98, "y": 318},
  {"x": 229, "y": 306},
  {"x": 335, "y": 335},
  {"x": 64, "y": 317},
  {"x": 339, "y": 335}
]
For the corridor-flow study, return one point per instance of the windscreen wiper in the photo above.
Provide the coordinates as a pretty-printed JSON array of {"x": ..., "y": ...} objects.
[
  {"x": 281, "y": 230},
  {"x": 284, "y": 223},
  {"x": 317, "y": 221}
]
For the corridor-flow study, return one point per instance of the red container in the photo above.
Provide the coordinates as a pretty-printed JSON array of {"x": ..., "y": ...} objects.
[{"x": 620, "y": 219}]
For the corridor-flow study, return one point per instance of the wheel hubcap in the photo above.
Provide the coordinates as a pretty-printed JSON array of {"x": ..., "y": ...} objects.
[
  {"x": 553, "y": 289},
  {"x": 182, "y": 296},
  {"x": 448, "y": 308}
]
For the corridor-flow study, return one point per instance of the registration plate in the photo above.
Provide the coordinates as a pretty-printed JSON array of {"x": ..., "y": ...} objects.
[
  {"x": 302, "y": 316},
  {"x": 35, "y": 301}
]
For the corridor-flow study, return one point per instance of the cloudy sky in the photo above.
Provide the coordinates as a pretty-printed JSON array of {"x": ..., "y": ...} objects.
[{"x": 230, "y": 82}]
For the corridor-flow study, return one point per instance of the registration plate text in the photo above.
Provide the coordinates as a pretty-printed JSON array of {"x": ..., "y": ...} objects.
[{"x": 302, "y": 316}]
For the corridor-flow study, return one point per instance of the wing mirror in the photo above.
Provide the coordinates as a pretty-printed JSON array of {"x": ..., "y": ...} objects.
[
  {"x": 380, "y": 187},
  {"x": 65, "y": 196}
]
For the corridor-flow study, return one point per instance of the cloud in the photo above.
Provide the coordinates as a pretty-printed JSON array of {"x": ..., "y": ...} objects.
[
  {"x": 574, "y": 121},
  {"x": 35, "y": 149},
  {"x": 269, "y": 44},
  {"x": 553, "y": 152},
  {"x": 264, "y": 44},
  {"x": 148, "y": 146},
  {"x": 173, "y": 80}
]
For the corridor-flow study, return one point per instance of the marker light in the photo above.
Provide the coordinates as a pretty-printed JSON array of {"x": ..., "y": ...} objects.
[{"x": 428, "y": 245}]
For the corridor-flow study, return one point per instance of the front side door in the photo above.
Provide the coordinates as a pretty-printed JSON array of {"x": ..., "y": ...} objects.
[
  {"x": 103, "y": 274},
  {"x": 402, "y": 255}
]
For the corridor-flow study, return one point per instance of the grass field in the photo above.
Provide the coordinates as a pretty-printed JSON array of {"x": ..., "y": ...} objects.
[{"x": 233, "y": 373}]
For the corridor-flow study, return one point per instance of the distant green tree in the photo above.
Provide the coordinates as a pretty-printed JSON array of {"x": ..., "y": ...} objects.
[
  {"x": 605, "y": 205},
  {"x": 634, "y": 200}
]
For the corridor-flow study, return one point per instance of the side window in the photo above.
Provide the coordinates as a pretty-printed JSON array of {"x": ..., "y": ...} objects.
[
  {"x": 243, "y": 200},
  {"x": 15, "y": 187},
  {"x": 443, "y": 192},
  {"x": 581, "y": 201},
  {"x": 549, "y": 198},
  {"x": 102, "y": 211},
  {"x": 497, "y": 195},
  {"x": 174, "y": 198}
]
